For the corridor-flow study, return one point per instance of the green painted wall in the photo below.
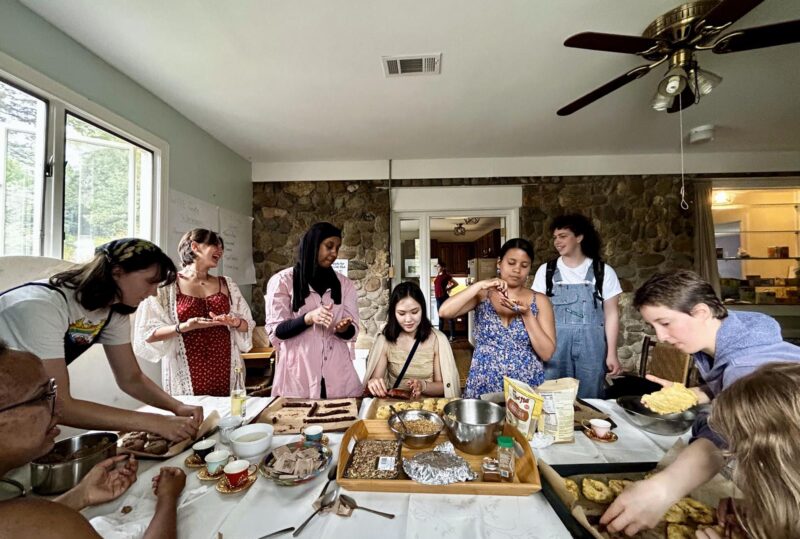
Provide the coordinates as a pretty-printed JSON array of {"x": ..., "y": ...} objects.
[{"x": 199, "y": 164}]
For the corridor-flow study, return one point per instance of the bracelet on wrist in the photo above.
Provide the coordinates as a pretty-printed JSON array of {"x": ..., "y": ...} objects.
[{"x": 178, "y": 328}]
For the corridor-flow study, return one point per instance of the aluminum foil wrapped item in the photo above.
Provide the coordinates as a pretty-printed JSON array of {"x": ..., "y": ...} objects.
[
  {"x": 445, "y": 447},
  {"x": 438, "y": 468}
]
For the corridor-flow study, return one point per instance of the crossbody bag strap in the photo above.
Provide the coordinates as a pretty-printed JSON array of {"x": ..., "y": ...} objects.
[{"x": 407, "y": 363}]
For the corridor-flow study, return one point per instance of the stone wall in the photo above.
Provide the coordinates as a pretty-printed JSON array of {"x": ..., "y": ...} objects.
[
  {"x": 639, "y": 218},
  {"x": 283, "y": 212},
  {"x": 643, "y": 228}
]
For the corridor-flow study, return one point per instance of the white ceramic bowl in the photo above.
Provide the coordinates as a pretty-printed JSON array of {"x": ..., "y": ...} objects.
[{"x": 243, "y": 448}]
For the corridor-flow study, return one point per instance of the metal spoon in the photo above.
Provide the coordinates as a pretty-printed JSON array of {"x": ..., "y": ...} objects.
[
  {"x": 400, "y": 419},
  {"x": 327, "y": 501},
  {"x": 331, "y": 477},
  {"x": 350, "y": 502}
]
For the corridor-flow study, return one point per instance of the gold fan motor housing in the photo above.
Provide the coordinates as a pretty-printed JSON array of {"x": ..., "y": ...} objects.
[{"x": 675, "y": 26}]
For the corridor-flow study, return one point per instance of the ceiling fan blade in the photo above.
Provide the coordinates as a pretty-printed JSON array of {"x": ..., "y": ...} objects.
[
  {"x": 605, "y": 89},
  {"x": 759, "y": 37},
  {"x": 597, "y": 41},
  {"x": 684, "y": 101},
  {"x": 726, "y": 12}
]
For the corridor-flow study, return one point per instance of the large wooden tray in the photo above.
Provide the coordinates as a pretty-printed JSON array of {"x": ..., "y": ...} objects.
[
  {"x": 526, "y": 481},
  {"x": 291, "y": 419}
]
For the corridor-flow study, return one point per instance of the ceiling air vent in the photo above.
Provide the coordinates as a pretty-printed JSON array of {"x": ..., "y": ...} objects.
[{"x": 419, "y": 64}]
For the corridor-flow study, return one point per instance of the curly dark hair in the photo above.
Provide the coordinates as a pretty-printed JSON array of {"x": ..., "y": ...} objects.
[{"x": 580, "y": 225}]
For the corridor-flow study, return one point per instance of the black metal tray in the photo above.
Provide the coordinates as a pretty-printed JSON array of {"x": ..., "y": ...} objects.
[{"x": 567, "y": 470}]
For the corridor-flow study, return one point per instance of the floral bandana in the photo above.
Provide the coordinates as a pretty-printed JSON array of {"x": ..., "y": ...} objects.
[{"x": 117, "y": 251}]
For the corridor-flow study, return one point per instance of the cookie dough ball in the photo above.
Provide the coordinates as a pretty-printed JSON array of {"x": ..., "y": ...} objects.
[
  {"x": 415, "y": 406},
  {"x": 572, "y": 487},
  {"x": 134, "y": 444},
  {"x": 675, "y": 514},
  {"x": 596, "y": 491},
  {"x": 156, "y": 447},
  {"x": 383, "y": 413},
  {"x": 618, "y": 485},
  {"x": 697, "y": 511},
  {"x": 680, "y": 531}
]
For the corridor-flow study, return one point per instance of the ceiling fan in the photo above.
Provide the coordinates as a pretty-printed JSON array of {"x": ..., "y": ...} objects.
[{"x": 674, "y": 38}]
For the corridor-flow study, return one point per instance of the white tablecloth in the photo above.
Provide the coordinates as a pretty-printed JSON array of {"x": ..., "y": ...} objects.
[{"x": 267, "y": 507}]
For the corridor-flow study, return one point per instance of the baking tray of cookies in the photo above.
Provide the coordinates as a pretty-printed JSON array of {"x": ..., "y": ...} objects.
[
  {"x": 526, "y": 481},
  {"x": 581, "y": 514},
  {"x": 289, "y": 416}
]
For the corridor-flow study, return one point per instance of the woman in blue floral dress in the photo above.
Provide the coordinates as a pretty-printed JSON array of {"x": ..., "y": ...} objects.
[{"x": 514, "y": 326}]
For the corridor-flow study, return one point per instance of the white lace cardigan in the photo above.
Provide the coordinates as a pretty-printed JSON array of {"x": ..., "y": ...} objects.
[{"x": 161, "y": 310}]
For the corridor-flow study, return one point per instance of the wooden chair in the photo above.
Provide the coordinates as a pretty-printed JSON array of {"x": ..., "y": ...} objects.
[
  {"x": 665, "y": 361},
  {"x": 260, "y": 365}
]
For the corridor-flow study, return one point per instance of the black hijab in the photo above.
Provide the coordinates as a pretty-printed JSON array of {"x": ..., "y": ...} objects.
[{"x": 307, "y": 271}]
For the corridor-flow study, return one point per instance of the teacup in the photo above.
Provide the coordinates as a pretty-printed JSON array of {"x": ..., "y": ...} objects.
[
  {"x": 600, "y": 427},
  {"x": 216, "y": 460},
  {"x": 204, "y": 447},
  {"x": 238, "y": 471},
  {"x": 313, "y": 433},
  {"x": 227, "y": 425}
]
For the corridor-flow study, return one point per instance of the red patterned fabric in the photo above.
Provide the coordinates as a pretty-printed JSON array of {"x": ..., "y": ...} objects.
[{"x": 208, "y": 350}]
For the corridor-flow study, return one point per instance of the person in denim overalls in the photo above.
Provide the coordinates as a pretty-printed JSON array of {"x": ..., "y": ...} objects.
[{"x": 587, "y": 320}]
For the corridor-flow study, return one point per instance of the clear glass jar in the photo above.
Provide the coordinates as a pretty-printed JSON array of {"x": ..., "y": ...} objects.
[
  {"x": 491, "y": 470},
  {"x": 238, "y": 394}
]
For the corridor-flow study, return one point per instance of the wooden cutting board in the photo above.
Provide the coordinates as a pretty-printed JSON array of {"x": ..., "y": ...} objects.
[{"x": 289, "y": 416}]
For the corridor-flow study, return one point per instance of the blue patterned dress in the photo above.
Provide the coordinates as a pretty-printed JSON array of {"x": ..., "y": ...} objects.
[{"x": 501, "y": 351}]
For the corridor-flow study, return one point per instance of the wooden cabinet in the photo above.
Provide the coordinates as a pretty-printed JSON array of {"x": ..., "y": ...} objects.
[
  {"x": 455, "y": 255},
  {"x": 488, "y": 245}
]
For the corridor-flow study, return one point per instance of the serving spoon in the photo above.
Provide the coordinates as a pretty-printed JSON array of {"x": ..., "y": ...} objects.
[
  {"x": 331, "y": 477},
  {"x": 327, "y": 501},
  {"x": 350, "y": 502}
]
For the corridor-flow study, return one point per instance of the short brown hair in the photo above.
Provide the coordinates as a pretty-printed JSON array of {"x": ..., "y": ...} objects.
[
  {"x": 679, "y": 290},
  {"x": 198, "y": 235}
]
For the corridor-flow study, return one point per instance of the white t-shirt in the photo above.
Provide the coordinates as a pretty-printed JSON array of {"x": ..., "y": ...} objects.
[
  {"x": 35, "y": 319},
  {"x": 611, "y": 286}
]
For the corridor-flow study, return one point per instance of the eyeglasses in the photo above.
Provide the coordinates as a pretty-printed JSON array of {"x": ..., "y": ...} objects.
[{"x": 48, "y": 395}]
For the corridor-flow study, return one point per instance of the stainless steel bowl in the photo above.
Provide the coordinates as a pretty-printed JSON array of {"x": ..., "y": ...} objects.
[
  {"x": 415, "y": 441},
  {"x": 77, "y": 455},
  {"x": 665, "y": 424},
  {"x": 473, "y": 425}
]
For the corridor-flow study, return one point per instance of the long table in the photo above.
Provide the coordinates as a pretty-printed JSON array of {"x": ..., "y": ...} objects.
[{"x": 267, "y": 507}]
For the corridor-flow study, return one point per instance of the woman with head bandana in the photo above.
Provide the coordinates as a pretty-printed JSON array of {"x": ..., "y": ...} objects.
[
  {"x": 311, "y": 314},
  {"x": 60, "y": 318}
]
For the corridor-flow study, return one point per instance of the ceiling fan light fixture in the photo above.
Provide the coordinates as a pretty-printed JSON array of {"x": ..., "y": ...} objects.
[
  {"x": 706, "y": 81},
  {"x": 673, "y": 82},
  {"x": 660, "y": 102}
]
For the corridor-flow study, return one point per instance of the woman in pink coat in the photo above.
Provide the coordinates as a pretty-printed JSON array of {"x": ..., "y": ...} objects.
[{"x": 311, "y": 316}]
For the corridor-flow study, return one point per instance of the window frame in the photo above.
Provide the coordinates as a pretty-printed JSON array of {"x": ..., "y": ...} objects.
[{"x": 60, "y": 101}]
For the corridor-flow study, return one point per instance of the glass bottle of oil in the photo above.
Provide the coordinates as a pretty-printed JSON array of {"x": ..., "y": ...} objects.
[{"x": 238, "y": 394}]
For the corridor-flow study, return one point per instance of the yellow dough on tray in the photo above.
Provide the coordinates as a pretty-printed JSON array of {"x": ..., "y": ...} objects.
[
  {"x": 596, "y": 491},
  {"x": 670, "y": 400}
]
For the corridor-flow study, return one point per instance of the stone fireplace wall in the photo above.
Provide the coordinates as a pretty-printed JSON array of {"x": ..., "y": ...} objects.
[{"x": 639, "y": 218}]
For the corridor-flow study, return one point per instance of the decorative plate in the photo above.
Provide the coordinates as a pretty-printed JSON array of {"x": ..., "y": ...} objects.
[
  {"x": 203, "y": 475},
  {"x": 281, "y": 479},
  {"x": 610, "y": 439},
  {"x": 193, "y": 461},
  {"x": 225, "y": 488}
]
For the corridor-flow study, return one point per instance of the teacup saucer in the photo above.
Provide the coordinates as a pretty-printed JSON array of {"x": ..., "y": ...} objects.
[
  {"x": 203, "y": 475},
  {"x": 610, "y": 439},
  {"x": 193, "y": 461},
  {"x": 225, "y": 488}
]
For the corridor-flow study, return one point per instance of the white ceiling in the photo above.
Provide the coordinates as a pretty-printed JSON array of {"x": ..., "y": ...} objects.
[{"x": 281, "y": 81}]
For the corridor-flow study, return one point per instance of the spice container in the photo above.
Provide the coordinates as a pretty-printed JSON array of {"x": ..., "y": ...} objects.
[
  {"x": 491, "y": 470},
  {"x": 505, "y": 458}
]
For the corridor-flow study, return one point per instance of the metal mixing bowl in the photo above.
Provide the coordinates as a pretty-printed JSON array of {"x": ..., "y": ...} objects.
[
  {"x": 57, "y": 477},
  {"x": 415, "y": 440},
  {"x": 473, "y": 425},
  {"x": 665, "y": 424}
]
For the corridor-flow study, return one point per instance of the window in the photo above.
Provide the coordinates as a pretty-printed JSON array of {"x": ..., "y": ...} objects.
[
  {"x": 23, "y": 124},
  {"x": 105, "y": 180},
  {"x": 111, "y": 184},
  {"x": 757, "y": 233}
]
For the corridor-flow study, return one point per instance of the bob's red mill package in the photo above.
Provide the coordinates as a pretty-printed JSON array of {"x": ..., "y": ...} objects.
[
  {"x": 558, "y": 409},
  {"x": 523, "y": 406}
]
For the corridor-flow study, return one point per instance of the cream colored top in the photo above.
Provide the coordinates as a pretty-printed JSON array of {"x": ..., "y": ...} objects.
[{"x": 421, "y": 367}]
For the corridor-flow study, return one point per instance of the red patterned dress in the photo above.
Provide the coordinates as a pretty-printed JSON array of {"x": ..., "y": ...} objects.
[{"x": 208, "y": 350}]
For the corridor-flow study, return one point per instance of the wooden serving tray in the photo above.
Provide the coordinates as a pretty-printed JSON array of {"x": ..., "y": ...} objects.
[
  {"x": 289, "y": 418},
  {"x": 526, "y": 481}
]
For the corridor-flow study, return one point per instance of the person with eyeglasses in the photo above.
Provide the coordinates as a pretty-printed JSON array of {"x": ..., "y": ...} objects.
[
  {"x": 29, "y": 413},
  {"x": 58, "y": 319}
]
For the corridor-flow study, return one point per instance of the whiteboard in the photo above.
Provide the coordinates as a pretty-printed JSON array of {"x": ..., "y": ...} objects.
[
  {"x": 185, "y": 213},
  {"x": 237, "y": 232}
]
